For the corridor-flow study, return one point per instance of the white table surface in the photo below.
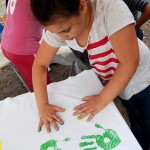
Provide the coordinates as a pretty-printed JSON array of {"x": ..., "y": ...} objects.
[{"x": 19, "y": 120}]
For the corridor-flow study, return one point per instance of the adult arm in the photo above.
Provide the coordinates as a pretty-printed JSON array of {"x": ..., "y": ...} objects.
[
  {"x": 145, "y": 16},
  {"x": 141, "y": 6}
]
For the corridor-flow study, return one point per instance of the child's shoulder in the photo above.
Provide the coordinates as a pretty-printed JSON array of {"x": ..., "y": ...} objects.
[
  {"x": 103, "y": 2},
  {"x": 104, "y": 5}
]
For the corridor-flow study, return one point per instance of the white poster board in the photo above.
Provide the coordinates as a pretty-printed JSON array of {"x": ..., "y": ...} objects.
[{"x": 19, "y": 120}]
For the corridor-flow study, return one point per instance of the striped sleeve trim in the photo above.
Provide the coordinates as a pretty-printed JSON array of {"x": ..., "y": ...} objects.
[
  {"x": 101, "y": 54},
  {"x": 105, "y": 70},
  {"x": 105, "y": 62},
  {"x": 97, "y": 44},
  {"x": 107, "y": 77}
]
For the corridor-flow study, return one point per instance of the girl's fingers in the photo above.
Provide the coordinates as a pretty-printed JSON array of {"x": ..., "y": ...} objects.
[
  {"x": 80, "y": 106},
  {"x": 85, "y": 98},
  {"x": 81, "y": 110},
  {"x": 53, "y": 123},
  {"x": 40, "y": 125},
  {"x": 85, "y": 113},
  {"x": 47, "y": 125},
  {"x": 77, "y": 112},
  {"x": 92, "y": 115},
  {"x": 53, "y": 118},
  {"x": 59, "y": 109},
  {"x": 58, "y": 119},
  {"x": 82, "y": 115},
  {"x": 84, "y": 104}
]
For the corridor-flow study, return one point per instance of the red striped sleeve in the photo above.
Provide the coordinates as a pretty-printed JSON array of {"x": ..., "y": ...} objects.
[
  {"x": 105, "y": 62},
  {"x": 105, "y": 77},
  {"x": 97, "y": 44},
  {"x": 106, "y": 70},
  {"x": 101, "y": 54}
]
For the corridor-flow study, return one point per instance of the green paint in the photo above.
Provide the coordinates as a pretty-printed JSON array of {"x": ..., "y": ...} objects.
[
  {"x": 98, "y": 126},
  {"x": 89, "y": 137},
  {"x": 50, "y": 144},
  {"x": 67, "y": 139},
  {"x": 82, "y": 144},
  {"x": 81, "y": 118},
  {"x": 93, "y": 148},
  {"x": 107, "y": 141}
]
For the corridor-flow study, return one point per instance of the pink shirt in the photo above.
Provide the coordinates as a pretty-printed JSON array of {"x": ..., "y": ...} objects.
[{"x": 22, "y": 32}]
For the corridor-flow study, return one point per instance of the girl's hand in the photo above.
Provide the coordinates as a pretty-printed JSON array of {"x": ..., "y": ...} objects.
[
  {"x": 48, "y": 116},
  {"x": 91, "y": 107}
]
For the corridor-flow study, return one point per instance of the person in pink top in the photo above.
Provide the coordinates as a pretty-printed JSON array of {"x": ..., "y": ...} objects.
[{"x": 20, "y": 38}]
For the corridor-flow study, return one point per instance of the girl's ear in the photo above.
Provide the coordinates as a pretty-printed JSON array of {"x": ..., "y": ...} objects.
[{"x": 83, "y": 6}]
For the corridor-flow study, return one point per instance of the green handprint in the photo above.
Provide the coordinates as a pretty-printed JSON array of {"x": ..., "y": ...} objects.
[
  {"x": 107, "y": 141},
  {"x": 50, "y": 144}
]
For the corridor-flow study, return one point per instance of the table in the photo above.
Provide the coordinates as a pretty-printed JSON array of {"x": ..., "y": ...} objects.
[{"x": 108, "y": 130}]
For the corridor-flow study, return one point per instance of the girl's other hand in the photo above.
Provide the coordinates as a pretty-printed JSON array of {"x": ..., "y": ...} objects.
[
  {"x": 48, "y": 116},
  {"x": 91, "y": 107}
]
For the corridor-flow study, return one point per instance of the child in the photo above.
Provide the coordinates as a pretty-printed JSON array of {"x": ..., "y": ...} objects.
[
  {"x": 113, "y": 51},
  {"x": 20, "y": 38},
  {"x": 144, "y": 8}
]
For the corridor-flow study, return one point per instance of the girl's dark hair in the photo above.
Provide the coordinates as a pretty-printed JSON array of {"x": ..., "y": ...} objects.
[{"x": 49, "y": 11}]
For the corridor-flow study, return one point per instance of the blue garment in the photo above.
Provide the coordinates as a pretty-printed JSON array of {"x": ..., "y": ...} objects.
[
  {"x": 1, "y": 29},
  {"x": 139, "y": 34},
  {"x": 138, "y": 109}
]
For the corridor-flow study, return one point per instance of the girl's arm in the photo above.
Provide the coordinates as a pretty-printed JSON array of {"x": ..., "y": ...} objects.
[
  {"x": 47, "y": 112},
  {"x": 124, "y": 43},
  {"x": 42, "y": 61}
]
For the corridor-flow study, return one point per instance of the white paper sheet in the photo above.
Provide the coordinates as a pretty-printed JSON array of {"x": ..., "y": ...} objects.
[{"x": 19, "y": 121}]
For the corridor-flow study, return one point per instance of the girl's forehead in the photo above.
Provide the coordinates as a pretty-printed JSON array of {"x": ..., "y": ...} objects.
[
  {"x": 63, "y": 23},
  {"x": 61, "y": 19},
  {"x": 58, "y": 26},
  {"x": 64, "y": 19}
]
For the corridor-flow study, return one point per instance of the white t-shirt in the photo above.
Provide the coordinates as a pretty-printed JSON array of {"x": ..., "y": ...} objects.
[{"x": 110, "y": 17}]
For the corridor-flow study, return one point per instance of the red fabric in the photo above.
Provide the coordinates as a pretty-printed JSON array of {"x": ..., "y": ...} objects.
[
  {"x": 23, "y": 63},
  {"x": 103, "y": 63},
  {"x": 97, "y": 44},
  {"x": 102, "y": 58},
  {"x": 101, "y": 54}
]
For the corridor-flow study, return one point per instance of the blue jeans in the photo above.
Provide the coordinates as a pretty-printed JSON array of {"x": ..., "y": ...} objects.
[
  {"x": 139, "y": 34},
  {"x": 138, "y": 110}
]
